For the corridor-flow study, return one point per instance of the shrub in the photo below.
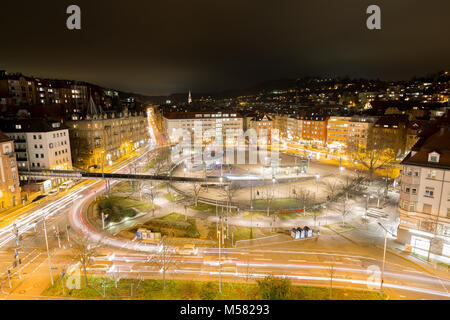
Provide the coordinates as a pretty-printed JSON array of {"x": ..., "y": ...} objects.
[
  {"x": 271, "y": 288},
  {"x": 128, "y": 213},
  {"x": 188, "y": 290},
  {"x": 192, "y": 231},
  {"x": 208, "y": 291}
]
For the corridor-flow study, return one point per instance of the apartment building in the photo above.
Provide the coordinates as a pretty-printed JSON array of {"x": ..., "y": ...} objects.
[
  {"x": 103, "y": 138},
  {"x": 337, "y": 131},
  {"x": 359, "y": 130},
  {"x": 314, "y": 130},
  {"x": 280, "y": 122},
  {"x": 9, "y": 176},
  {"x": 214, "y": 126},
  {"x": 424, "y": 204},
  {"x": 391, "y": 131},
  {"x": 263, "y": 125},
  {"x": 17, "y": 89},
  {"x": 40, "y": 144}
]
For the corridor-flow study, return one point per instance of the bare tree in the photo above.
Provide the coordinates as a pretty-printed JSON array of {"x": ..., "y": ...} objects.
[
  {"x": 377, "y": 154},
  {"x": 303, "y": 197},
  {"x": 161, "y": 161},
  {"x": 147, "y": 190},
  {"x": 83, "y": 253},
  {"x": 164, "y": 259},
  {"x": 196, "y": 188},
  {"x": 332, "y": 188},
  {"x": 268, "y": 194},
  {"x": 229, "y": 192},
  {"x": 344, "y": 209}
]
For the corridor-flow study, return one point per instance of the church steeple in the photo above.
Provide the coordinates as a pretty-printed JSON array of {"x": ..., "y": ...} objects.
[{"x": 190, "y": 97}]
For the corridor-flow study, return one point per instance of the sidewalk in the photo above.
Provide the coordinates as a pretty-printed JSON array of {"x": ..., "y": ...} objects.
[{"x": 360, "y": 236}]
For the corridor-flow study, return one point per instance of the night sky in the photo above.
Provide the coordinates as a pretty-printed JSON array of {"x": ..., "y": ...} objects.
[{"x": 165, "y": 46}]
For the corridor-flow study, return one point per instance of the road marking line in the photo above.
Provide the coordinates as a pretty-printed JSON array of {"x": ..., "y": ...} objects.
[
  {"x": 297, "y": 260},
  {"x": 263, "y": 259}
]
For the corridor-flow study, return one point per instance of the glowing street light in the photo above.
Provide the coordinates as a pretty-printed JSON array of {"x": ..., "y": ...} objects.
[
  {"x": 317, "y": 184},
  {"x": 384, "y": 255}
]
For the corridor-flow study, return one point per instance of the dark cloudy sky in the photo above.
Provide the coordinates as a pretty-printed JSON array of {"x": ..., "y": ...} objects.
[{"x": 166, "y": 46}]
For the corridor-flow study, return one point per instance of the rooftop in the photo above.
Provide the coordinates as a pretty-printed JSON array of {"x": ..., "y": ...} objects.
[
  {"x": 30, "y": 125},
  {"x": 4, "y": 137},
  {"x": 199, "y": 115}
]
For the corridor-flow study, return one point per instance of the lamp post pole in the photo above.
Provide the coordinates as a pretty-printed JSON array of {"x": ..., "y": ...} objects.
[
  {"x": 384, "y": 260},
  {"x": 220, "y": 255},
  {"x": 384, "y": 256},
  {"x": 48, "y": 253}
]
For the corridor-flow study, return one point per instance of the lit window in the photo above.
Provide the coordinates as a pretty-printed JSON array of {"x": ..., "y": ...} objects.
[{"x": 429, "y": 192}]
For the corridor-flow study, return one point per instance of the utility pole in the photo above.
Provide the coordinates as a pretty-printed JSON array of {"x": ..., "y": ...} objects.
[
  {"x": 67, "y": 231},
  {"x": 103, "y": 221},
  {"x": 16, "y": 253},
  {"x": 384, "y": 257},
  {"x": 58, "y": 236},
  {"x": 220, "y": 255},
  {"x": 48, "y": 253},
  {"x": 16, "y": 257},
  {"x": 9, "y": 278}
]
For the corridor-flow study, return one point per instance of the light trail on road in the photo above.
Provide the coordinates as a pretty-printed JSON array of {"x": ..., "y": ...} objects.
[
  {"x": 29, "y": 220},
  {"x": 125, "y": 269}
]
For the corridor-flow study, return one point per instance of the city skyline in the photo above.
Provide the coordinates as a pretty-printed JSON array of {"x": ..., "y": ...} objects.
[
  {"x": 225, "y": 151},
  {"x": 158, "y": 48}
]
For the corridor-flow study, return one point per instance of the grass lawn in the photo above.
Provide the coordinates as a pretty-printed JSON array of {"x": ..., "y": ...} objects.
[
  {"x": 277, "y": 204},
  {"x": 131, "y": 203},
  {"x": 118, "y": 208},
  {"x": 246, "y": 233},
  {"x": 122, "y": 187},
  {"x": 174, "y": 225},
  {"x": 174, "y": 216},
  {"x": 151, "y": 289},
  {"x": 206, "y": 208},
  {"x": 292, "y": 215},
  {"x": 172, "y": 196}
]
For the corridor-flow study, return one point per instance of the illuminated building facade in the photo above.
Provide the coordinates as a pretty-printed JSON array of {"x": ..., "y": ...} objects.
[
  {"x": 337, "y": 131},
  {"x": 424, "y": 204},
  {"x": 102, "y": 138},
  {"x": 213, "y": 126},
  {"x": 9, "y": 176},
  {"x": 263, "y": 125},
  {"x": 359, "y": 130},
  {"x": 314, "y": 130}
]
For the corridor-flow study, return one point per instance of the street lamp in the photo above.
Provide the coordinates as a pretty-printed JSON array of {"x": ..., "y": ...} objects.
[
  {"x": 317, "y": 182},
  {"x": 384, "y": 255}
]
